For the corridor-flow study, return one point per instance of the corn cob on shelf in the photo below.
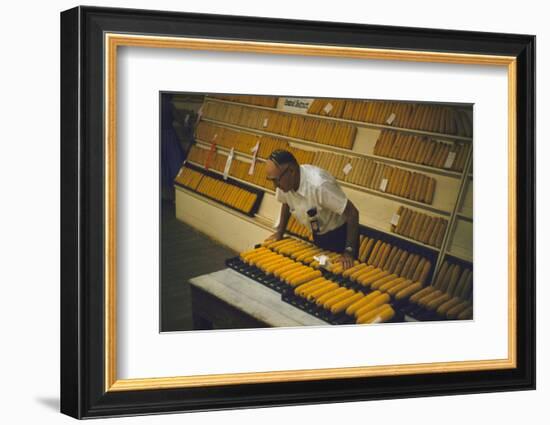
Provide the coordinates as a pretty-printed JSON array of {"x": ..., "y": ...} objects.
[
  {"x": 448, "y": 297},
  {"x": 239, "y": 169},
  {"x": 231, "y": 194},
  {"x": 267, "y": 101},
  {"x": 419, "y": 226},
  {"x": 422, "y": 150},
  {"x": 431, "y": 118},
  {"x": 378, "y": 176},
  {"x": 296, "y": 126},
  {"x": 242, "y": 142}
]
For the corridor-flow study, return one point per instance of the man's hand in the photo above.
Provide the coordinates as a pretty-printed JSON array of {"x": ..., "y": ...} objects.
[{"x": 346, "y": 259}]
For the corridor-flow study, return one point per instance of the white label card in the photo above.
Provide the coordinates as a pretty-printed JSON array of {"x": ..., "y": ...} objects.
[
  {"x": 383, "y": 185},
  {"x": 228, "y": 163},
  {"x": 391, "y": 118},
  {"x": 328, "y": 107},
  {"x": 347, "y": 168},
  {"x": 322, "y": 259},
  {"x": 266, "y": 121},
  {"x": 395, "y": 219},
  {"x": 450, "y": 160},
  {"x": 253, "y": 163}
]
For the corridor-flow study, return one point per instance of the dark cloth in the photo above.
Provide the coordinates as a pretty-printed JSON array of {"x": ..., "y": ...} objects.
[{"x": 335, "y": 240}]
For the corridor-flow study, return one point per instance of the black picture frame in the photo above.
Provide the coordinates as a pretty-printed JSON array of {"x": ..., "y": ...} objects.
[{"x": 83, "y": 392}]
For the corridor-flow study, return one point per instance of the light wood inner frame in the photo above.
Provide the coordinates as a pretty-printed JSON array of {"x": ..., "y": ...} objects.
[{"x": 113, "y": 41}]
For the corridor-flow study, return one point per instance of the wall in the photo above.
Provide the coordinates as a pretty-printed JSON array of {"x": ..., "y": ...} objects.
[{"x": 29, "y": 171}]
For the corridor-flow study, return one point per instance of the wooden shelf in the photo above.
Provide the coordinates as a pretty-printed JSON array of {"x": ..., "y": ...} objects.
[
  {"x": 342, "y": 151},
  {"x": 243, "y": 216},
  {"x": 407, "y": 201},
  {"x": 443, "y": 136},
  {"x": 268, "y": 224},
  {"x": 364, "y": 189}
]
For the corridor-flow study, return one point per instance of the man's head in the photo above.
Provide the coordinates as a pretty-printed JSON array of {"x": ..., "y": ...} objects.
[{"x": 283, "y": 170}]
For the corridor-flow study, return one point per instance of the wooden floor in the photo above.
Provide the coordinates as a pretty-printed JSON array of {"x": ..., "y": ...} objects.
[{"x": 185, "y": 253}]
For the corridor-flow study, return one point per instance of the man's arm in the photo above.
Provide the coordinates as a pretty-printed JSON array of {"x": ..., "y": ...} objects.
[
  {"x": 352, "y": 220},
  {"x": 283, "y": 222}
]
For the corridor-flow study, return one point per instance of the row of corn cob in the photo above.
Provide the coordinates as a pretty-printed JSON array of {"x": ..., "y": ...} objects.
[
  {"x": 267, "y": 101},
  {"x": 432, "y": 118},
  {"x": 422, "y": 150},
  {"x": 419, "y": 226},
  {"x": 450, "y": 294},
  {"x": 301, "y": 127},
  {"x": 378, "y": 176},
  {"x": 219, "y": 190}
]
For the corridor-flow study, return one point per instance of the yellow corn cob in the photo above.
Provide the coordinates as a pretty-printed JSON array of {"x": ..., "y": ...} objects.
[
  {"x": 367, "y": 279},
  {"x": 457, "y": 309},
  {"x": 353, "y": 276},
  {"x": 424, "y": 300},
  {"x": 436, "y": 302},
  {"x": 381, "y": 314},
  {"x": 402, "y": 285},
  {"x": 362, "y": 302},
  {"x": 322, "y": 290},
  {"x": 447, "y": 305},
  {"x": 379, "y": 300},
  {"x": 328, "y": 295},
  {"x": 342, "y": 305},
  {"x": 279, "y": 271},
  {"x": 408, "y": 291},
  {"x": 310, "y": 275},
  {"x": 333, "y": 300},
  {"x": 304, "y": 293},
  {"x": 382, "y": 281},
  {"x": 427, "y": 290},
  {"x": 392, "y": 283},
  {"x": 354, "y": 269},
  {"x": 308, "y": 284}
]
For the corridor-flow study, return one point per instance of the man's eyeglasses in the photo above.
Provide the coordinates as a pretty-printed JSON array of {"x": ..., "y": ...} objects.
[{"x": 276, "y": 180}]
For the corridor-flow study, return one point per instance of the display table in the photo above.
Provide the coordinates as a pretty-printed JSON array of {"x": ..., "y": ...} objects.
[{"x": 228, "y": 300}]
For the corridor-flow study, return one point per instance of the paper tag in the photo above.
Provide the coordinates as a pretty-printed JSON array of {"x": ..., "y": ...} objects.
[
  {"x": 253, "y": 163},
  {"x": 347, "y": 168},
  {"x": 215, "y": 137},
  {"x": 210, "y": 157},
  {"x": 395, "y": 219},
  {"x": 228, "y": 163},
  {"x": 328, "y": 107},
  {"x": 390, "y": 118},
  {"x": 322, "y": 259},
  {"x": 186, "y": 120},
  {"x": 199, "y": 112},
  {"x": 383, "y": 185},
  {"x": 266, "y": 120},
  {"x": 450, "y": 159}
]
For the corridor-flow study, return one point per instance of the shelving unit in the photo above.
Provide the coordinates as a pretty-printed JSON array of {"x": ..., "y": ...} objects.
[
  {"x": 452, "y": 199},
  {"x": 355, "y": 123}
]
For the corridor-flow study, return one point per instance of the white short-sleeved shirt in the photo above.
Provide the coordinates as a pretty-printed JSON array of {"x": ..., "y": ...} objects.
[{"x": 318, "y": 189}]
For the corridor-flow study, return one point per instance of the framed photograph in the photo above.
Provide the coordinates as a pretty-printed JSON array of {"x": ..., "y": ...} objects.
[{"x": 261, "y": 212}]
